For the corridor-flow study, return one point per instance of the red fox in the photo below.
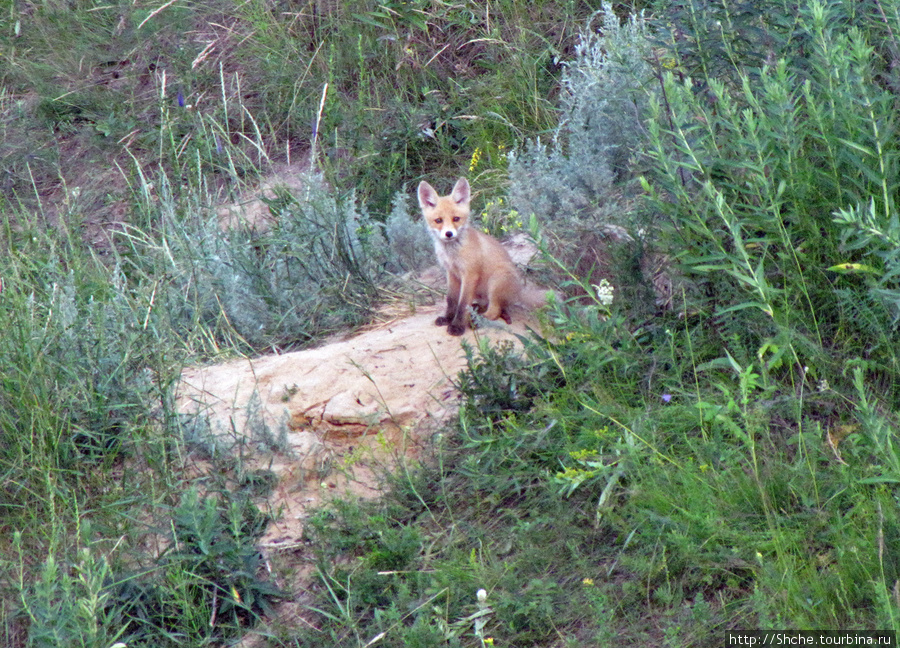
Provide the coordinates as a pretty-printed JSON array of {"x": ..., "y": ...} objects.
[{"x": 479, "y": 270}]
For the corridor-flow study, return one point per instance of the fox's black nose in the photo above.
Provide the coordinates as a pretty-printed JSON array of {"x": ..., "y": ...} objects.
[{"x": 448, "y": 234}]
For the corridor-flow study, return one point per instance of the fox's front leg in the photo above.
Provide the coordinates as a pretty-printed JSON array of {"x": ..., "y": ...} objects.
[
  {"x": 453, "y": 286},
  {"x": 460, "y": 317}
]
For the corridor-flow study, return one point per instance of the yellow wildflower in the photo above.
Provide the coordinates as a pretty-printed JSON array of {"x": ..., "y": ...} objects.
[{"x": 476, "y": 156}]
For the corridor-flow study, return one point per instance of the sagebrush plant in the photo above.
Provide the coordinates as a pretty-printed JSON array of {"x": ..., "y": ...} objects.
[
  {"x": 602, "y": 108},
  {"x": 577, "y": 182},
  {"x": 242, "y": 436},
  {"x": 410, "y": 244},
  {"x": 315, "y": 270}
]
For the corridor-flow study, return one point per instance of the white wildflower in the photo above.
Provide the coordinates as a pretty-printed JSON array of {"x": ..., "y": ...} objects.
[{"x": 605, "y": 292}]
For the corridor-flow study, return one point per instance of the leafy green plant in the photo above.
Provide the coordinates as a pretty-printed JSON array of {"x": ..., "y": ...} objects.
[
  {"x": 750, "y": 189},
  {"x": 500, "y": 381},
  {"x": 69, "y": 604},
  {"x": 208, "y": 584},
  {"x": 711, "y": 39},
  {"x": 213, "y": 545}
]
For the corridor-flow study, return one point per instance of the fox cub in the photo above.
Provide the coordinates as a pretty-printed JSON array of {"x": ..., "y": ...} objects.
[{"x": 479, "y": 271}]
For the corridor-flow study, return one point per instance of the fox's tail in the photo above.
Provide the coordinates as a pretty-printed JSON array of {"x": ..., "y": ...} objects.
[{"x": 533, "y": 297}]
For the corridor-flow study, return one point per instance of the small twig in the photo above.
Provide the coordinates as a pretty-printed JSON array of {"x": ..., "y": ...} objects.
[
  {"x": 212, "y": 617},
  {"x": 439, "y": 52},
  {"x": 888, "y": 25},
  {"x": 315, "y": 138},
  {"x": 156, "y": 11}
]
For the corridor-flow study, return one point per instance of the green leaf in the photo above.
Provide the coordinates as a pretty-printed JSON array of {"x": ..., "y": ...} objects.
[
  {"x": 742, "y": 306},
  {"x": 881, "y": 479},
  {"x": 852, "y": 268},
  {"x": 856, "y": 146}
]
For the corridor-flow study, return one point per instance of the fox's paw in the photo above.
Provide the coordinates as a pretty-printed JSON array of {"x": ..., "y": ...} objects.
[
  {"x": 443, "y": 320},
  {"x": 456, "y": 329}
]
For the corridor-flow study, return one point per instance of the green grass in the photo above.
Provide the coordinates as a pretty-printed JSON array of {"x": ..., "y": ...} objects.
[
  {"x": 593, "y": 509},
  {"x": 394, "y": 89},
  {"x": 634, "y": 476}
]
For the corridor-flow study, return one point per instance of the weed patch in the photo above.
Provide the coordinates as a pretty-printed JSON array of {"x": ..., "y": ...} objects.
[{"x": 203, "y": 588}]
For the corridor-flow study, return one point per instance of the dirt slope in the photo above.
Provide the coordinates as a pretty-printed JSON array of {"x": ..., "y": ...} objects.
[{"x": 333, "y": 413}]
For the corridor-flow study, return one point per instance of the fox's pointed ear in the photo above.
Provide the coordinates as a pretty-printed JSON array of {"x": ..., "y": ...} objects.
[
  {"x": 461, "y": 192},
  {"x": 427, "y": 195}
]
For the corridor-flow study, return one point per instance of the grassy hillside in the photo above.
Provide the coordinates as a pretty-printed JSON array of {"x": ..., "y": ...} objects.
[{"x": 702, "y": 440}]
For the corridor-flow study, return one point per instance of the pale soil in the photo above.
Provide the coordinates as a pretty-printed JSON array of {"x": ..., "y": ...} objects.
[
  {"x": 349, "y": 404},
  {"x": 353, "y": 407}
]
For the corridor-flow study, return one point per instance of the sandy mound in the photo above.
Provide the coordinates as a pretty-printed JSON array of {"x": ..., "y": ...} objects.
[{"x": 333, "y": 412}]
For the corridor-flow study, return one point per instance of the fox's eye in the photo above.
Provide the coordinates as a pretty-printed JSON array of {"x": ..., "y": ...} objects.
[
  {"x": 438, "y": 221},
  {"x": 456, "y": 219}
]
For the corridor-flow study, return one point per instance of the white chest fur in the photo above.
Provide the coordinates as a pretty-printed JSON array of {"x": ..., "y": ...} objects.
[{"x": 448, "y": 252}]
